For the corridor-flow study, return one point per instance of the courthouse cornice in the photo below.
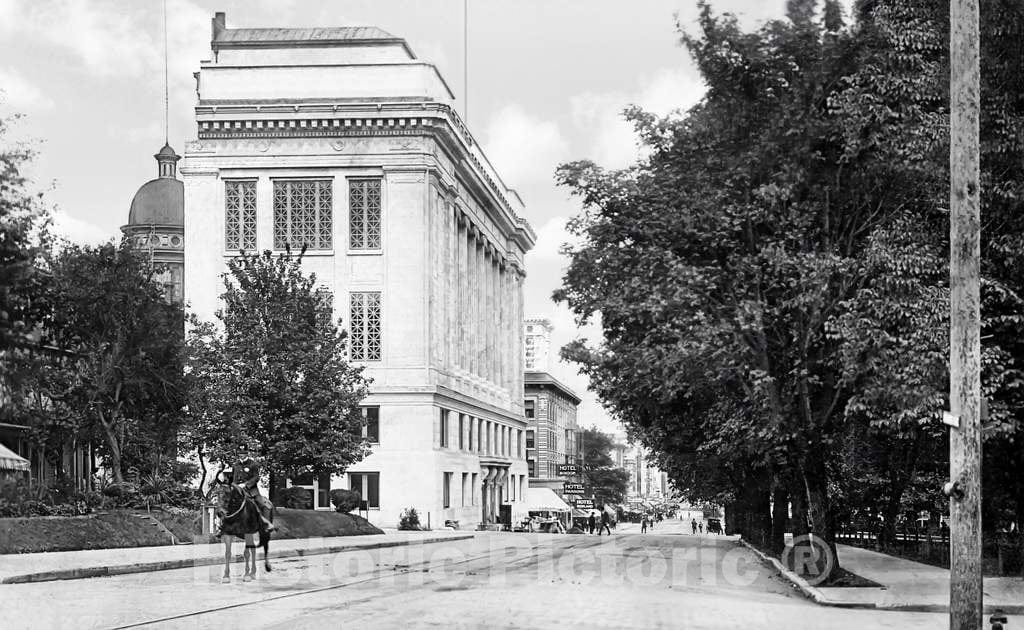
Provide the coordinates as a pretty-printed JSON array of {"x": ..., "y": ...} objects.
[{"x": 346, "y": 119}]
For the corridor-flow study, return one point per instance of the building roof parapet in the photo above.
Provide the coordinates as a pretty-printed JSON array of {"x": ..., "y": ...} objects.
[
  {"x": 224, "y": 37},
  {"x": 541, "y": 379}
]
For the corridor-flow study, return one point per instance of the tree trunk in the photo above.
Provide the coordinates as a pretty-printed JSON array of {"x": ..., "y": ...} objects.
[
  {"x": 887, "y": 536},
  {"x": 756, "y": 501},
  {"x": 780, "y": 516},
  {"x": 115, "y": 464},
  {"x": 732, "y": 518},
  {"x": 798, "y": 494},
  {"x": 115, "y": 448},
  {"x": 1020, "y": 531},
  {"x": 820, "y": 516},
  {"x": 277, "y": 483}
]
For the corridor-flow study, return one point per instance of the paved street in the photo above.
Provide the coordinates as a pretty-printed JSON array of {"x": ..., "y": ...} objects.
[{"x": 628, "y": 580}]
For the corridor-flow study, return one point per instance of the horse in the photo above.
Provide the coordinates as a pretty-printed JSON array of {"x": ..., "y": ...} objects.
[{"x": 239, "y": 517}]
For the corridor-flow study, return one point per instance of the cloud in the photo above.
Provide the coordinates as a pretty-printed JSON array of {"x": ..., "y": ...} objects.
[
  {"x": 613, "y": 142},
  {"x": 523, "y": 149},
  {"x": 107, "y": 38},
  {"x": 20, "y": 95},
  {"x": 550, "y": 238},
  {"x": 431, "y": 51},
  {"x": 79, "y": 231}
]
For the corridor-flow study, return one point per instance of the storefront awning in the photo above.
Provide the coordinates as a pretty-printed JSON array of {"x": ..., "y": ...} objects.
[
  {"x": 9, "y": 460},
  {"x": 544, "y": 500}
]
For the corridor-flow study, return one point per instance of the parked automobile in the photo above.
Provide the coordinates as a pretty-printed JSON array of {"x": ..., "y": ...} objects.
[{"x": 714, "y": 526}]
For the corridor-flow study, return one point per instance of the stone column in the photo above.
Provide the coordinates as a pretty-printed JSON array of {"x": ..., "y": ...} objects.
[
  {"x": 481, "y": 295},
  {"x": 492, "y": 274},
  {"x": 518, "y": 298},
  {"x": 502, "y": 325},
  {"x": 471, "y": 310},
  {"x": 499, "y": 483},
  {"x": 492, "y": 472},
  {"x": 511, "y": 356},
  {"x": 467, "y": 292},
  {"x": 460, "y": 289},
  {"x": 485, "y": 303},
  {"x": 449, "y": 286},
  {"x": 506, "y": 322},
  {"x": 487, "y": 313},
  {"x": 471, "y": 299}
]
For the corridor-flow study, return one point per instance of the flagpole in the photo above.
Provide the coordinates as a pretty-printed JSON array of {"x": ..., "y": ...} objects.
[{"x": 465, "y": 61}]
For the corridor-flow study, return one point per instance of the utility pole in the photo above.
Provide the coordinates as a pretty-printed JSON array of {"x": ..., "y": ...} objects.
[{"x": 965, "y": 585}]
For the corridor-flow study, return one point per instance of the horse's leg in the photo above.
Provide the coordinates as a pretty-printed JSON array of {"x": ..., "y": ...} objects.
[
  {"x": 250, "y": 559},
  {"x": 265, "y": 543},
  {"x": 227, "y": 559}
]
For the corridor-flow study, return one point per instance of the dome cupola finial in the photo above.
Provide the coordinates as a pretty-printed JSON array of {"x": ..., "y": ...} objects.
[{"x": 167, "y": 161}]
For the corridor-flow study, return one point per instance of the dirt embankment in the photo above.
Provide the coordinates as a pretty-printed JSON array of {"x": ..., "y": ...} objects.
[{"x": 132, "y": 528}]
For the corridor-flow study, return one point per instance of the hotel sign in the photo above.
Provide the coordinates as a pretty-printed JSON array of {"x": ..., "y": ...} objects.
[
  {"x": 584, "y": 504},
  {"x": 565, "y": 470},
  {"x": 572, "y": 488}
]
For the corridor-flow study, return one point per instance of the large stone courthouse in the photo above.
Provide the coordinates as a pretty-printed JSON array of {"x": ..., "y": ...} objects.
[{"x": 342, "y": 140}]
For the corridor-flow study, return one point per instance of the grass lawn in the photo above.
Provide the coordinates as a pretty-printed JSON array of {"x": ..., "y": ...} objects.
[{"x": 123, "y": 528}]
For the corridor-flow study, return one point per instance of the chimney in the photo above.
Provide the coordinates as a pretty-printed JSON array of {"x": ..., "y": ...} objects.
[{"x": 219, "y": 24}]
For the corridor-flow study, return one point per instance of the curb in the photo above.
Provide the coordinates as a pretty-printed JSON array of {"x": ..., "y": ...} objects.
[
  {"x": 186, "y": 563},
  {"x": 804, "y": 587},
  {"x": 819, "y": 598}
]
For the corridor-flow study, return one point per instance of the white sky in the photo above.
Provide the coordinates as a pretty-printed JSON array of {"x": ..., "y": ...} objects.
[{"x": 547, "y": 81}]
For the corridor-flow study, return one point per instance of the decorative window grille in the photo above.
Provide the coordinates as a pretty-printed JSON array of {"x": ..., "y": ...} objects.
[
  {"x": 325, "y": 316},
  {"x": 302, "y": 214},
  {"x": 240, "y": 215},
  {"x": 366, "y": 326},
  {"x": 364, "y": 213}
]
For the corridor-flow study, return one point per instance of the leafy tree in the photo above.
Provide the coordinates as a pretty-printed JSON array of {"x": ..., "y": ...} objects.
[
  {"x": 115, "y": 375},
  {"x": 771, "y": 281},
  {"x": 607, "y": 483},
  {"x": 274, "y": 376},
  {"x": 24, "y": 226},
  {"x": 733, "y": 246}
]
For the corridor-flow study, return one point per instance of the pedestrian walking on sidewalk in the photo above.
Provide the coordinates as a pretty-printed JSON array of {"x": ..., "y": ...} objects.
[
  {"x": 604, "y": 524},
  {"x": 643, "y": 525},
  {"x": 693, "y": 526},
  {"x": 591, "y": 522},
  {"x": 700, "y": 527}
]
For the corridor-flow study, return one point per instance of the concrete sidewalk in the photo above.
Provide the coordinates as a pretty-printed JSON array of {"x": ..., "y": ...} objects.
[
  {"x": 70, "y": 565},
  {"x": 909, "y": 585},
  {"x": 906, "y": 585}
]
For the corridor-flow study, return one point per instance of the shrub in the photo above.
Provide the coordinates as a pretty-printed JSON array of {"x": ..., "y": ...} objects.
[
  {"x": 93, "y": 499},
  {"x": 410, "y": 519},
  {"x": 154, "y": 489},
  {"x": 345, "y": 500},
  {"x": 296, "y": 497},
  {"x": 119, "y": 489},
  {"x": 122, "y": 494},
  {"x": 181, "y": 473},
  {"x": 184, "y": 497},
  {"x": 63, "y": 490}
]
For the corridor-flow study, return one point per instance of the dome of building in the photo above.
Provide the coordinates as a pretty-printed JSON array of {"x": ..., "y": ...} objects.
[{"x": 160, "y": 201}]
